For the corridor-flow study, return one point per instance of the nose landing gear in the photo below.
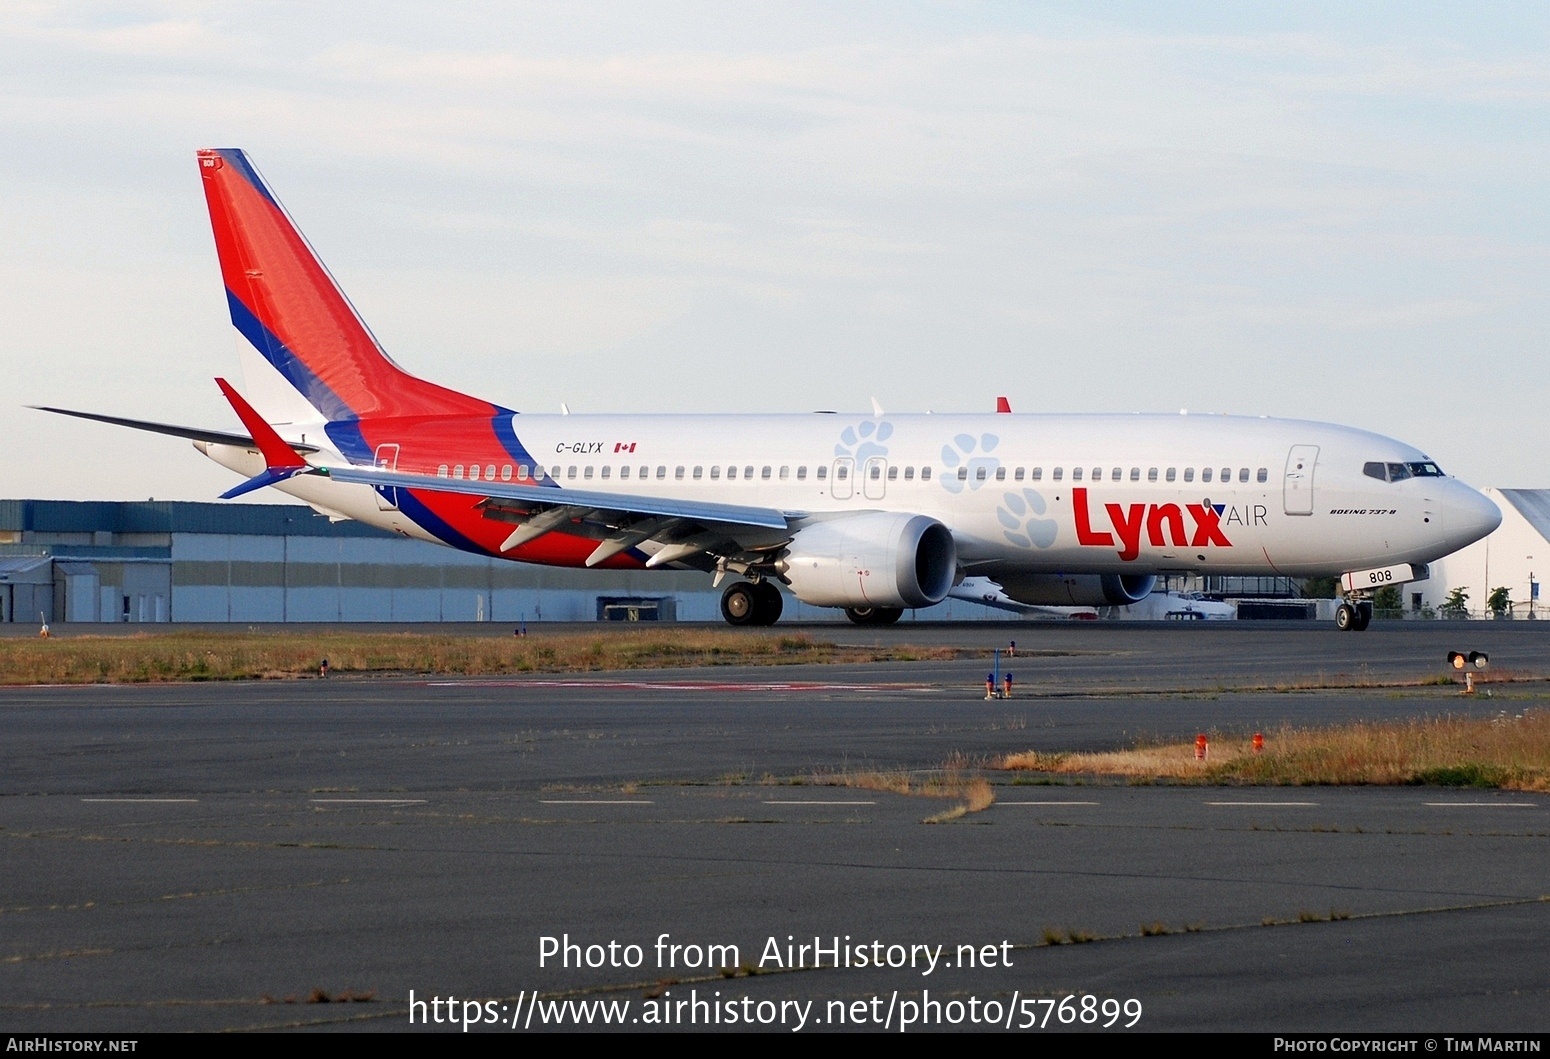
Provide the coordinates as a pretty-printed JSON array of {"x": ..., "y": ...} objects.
[{"x": 1353, "y": 615}]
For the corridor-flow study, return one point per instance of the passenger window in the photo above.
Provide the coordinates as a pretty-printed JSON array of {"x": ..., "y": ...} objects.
[
  {"x": 522, "y": 472},
  {"x": 979, "y": 474},
  {"x": 731, "y": 473},
  {"x": 1076, "y": 474},
  {"x": 785, "y": 472},
  {"x": 505, "y": 472},
  {"x": 1151, "y": 474},
  {"x": 570, "y": 472},
  {"x": 1000, "y": 474},
  {"x": 1059, "y": 471},
  {"x": 821, "y": 472},
  {"x": 661, "y": 471},
  {"x": 1173, "y": 472},
  {"x": 489, "y": 473},
  {"x": 893, "y": 474},
  {"x": 441, "y": 472},
  {"x": 1189, "y": 474},
  {"x": 699, "y": 472},
  {"x": 645, "y": 472},
  {"x": 1263, "y": 475},
  {"x": 925, "y": 474},
  {"x": 909, "y": 474},
  {"x": 1135, "y": 474},
  {"x": 747, "y": 472},
  {"x": 586, "y": 472},
  {"x": 624, "y": 472},
  {"x": 802, "y": 473},
  {"x": 1038, "y": 473},
  {"x": 1243, "y": 474},
  {"x": 1018, "y": 476},
  {"x": 1114, "y": 477},
  {"x": 605, "y": 472},
  {"x": 963, "y": 474},
  {"x": 457, "y": 472},
  {"x": 1205, "y": 475},
  {"x": 715, "y": 474},
  {"x": 1226, "y": 474},
  {"x": 473, "y": 472},
  {"x": 678, "y": 473},
  {"x": 554, "y": 472},
  {"x": 765, "y": 473}
]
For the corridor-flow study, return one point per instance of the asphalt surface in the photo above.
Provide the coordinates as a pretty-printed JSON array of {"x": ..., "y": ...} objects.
[{"x": 215, "y": 856}]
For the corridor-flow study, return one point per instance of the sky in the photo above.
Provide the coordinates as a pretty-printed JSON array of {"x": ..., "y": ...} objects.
[{"x": 1323, "y": 211}]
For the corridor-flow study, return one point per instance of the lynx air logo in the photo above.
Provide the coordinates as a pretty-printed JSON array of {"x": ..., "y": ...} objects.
[{"x": 1162, "y": 523}]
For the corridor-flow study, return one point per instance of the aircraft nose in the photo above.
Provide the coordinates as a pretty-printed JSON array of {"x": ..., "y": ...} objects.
[{"x": 1471, "y": 516}]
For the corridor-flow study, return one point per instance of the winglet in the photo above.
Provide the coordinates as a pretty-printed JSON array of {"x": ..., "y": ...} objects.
[{"x": 280, "y": 460}]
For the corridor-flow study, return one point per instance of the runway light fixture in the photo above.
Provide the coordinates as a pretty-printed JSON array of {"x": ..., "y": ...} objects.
[
  {"x": 1456, "y": 659},
  {"x": 1479, "y": 659}
]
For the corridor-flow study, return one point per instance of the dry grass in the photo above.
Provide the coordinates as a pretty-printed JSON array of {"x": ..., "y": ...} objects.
[
  {"x": 1504, "y": 751},
  {"x": 975, "y": 792},
  {"x": 181, "y": 656}
]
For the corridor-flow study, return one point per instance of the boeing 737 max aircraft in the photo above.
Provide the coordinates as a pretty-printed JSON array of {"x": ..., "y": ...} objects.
[{"x": 869, "y": 513}]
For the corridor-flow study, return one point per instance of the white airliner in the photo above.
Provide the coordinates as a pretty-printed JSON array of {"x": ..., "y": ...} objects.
[{"x": 871, "y": 513}]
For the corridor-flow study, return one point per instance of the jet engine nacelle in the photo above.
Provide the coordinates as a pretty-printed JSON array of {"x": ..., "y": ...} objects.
[
  {"x": 1084, "y": 590},
  {"x": 880, "y": 559}
]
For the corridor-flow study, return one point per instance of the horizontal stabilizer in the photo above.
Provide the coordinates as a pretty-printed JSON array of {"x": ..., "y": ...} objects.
[{"x": 215, "y": 437}]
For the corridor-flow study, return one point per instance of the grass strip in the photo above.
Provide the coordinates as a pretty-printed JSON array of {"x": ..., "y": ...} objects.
[{"x": 1506, "y": 751}]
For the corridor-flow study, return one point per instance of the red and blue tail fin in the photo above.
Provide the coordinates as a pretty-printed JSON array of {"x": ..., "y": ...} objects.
[{"x": 286, "y": 304}]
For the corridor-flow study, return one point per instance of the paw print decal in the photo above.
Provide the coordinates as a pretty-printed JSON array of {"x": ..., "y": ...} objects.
[
  {"x": 1019, "y": 513},
  {"x": 972, "y": 454},
  {"x": 864, "y": 440}
]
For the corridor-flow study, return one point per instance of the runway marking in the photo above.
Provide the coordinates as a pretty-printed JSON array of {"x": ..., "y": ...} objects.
[
  {"x": 585, "y": 801},
  {"x": 1260, "y": 804},
  {"x": 367, "y": 801},
  {"x": 1484, "y": 805},
  {"x": 817, "y": 801},
  {"x": 999, "y": 802},
  {"x": 678, "y": 685},
  {"x": 149, "y": 801}
]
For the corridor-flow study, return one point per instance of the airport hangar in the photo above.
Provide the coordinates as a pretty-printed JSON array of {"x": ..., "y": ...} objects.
[{"x": 162, "y": 561}]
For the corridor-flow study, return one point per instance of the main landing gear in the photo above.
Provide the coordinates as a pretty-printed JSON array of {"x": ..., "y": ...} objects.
[
  {"x": 1353, "y": 616},
  {"x": 751, "y": 603}
]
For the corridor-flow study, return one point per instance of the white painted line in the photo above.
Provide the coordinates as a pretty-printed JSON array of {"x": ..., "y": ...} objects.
[
  {"x": 1257, "y": 804},
  {"x": 815, "y": 801},
  {"x": 368, "y": 801},
  {"x": 1000, "y": 802},
  {"x": 1484, "y": 805},
  {"x": 151, "y": 801},
  {"x": 583, "y": 801}
]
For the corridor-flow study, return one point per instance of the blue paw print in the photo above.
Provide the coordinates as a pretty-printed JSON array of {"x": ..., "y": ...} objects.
[
  {"x": 865, "y": 440},
  {"x": 1019, "y": 514},
  {"x": 966, "y": 451}
]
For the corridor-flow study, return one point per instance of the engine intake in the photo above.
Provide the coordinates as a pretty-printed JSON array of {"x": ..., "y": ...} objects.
[{"x": 879, "y": 559}]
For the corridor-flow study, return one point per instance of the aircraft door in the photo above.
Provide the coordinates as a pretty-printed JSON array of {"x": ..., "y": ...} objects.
[
  {"x": 387, "y": 460},
  {"x": 840, "y": 485},
  {"x": 874, "y": 478},
  {"x": 1297, "y": 487}
]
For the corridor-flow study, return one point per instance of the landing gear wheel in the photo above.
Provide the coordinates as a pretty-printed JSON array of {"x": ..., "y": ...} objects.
[
  {"x": 1345, "y": 616},
  {"x": 767, "y": 604},
  {"x": 874, "y": 615},
  {"x": 740, "y": 604},
  {"x": 1363, "y": 616}
]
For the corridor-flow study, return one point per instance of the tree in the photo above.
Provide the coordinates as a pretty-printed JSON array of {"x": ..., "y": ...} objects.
[
  {"x": 1457, "y": 604},
  {"x": 1499, "y": 602},
  {"x": 1320, "y": 588},
  {"x": 1388, "y": 603}
]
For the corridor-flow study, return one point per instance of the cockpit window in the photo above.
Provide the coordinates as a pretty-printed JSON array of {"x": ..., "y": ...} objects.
[{"x": 1398, "y": 472}]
